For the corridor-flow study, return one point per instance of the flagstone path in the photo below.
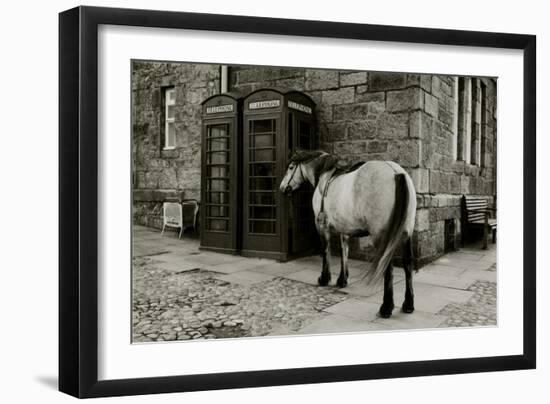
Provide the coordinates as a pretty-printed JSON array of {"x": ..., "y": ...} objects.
[{"x": 183, "y": 293}]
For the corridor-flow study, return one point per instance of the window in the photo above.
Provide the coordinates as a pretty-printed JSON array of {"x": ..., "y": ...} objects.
[
  {"x": 468, "y": 114},
  {"x": 483, "y": 124},
  {"x": 461, "y": 115},
  {"x": 262, "y": 179},
  {"x": 455, "y": 118},
  {"x": 217, "y": 178},
  {"x": 169, "y": 119},
  {"x": 475, "y": 112}
]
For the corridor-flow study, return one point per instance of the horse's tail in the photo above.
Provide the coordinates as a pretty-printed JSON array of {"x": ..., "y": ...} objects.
[{"x": 395, "y": 231}]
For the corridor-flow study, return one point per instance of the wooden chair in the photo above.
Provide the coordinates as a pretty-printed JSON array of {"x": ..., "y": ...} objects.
[{"x": 476, "y": 214}]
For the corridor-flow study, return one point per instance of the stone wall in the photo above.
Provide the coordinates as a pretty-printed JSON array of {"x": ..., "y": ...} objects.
[
  {"x": 158, "y": 174},
  {"x": 412, "y": 119},
  {"x": 445, "y": 172},
  {"x": 444, "y": 138}
]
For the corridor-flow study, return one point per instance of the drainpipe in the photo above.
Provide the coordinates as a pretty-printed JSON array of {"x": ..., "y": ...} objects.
[{"x": 224, "y": 80}]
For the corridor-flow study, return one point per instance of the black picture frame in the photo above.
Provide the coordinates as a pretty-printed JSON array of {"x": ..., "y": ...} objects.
[{"x": 78, "y": 196}]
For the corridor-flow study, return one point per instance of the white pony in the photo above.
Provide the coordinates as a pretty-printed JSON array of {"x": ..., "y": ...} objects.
[{"x": 376, "y": 199}]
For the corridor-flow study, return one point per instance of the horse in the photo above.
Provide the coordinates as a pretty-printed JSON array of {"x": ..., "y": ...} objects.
[{"x": 377, "y": 199}]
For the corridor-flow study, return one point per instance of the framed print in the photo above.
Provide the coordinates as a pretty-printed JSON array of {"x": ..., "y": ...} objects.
[{"x": 251, "y": 201}]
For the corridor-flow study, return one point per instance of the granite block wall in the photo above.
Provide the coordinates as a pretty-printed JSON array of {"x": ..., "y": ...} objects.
[
  {"x": 412, "y": 119},
  {"x": 441, "y": 129},
  {"x": 158, "y": 174}
]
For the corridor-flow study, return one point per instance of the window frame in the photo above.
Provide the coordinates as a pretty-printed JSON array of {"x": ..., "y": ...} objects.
[
  {"x": 167, "y": 102},
  {"x": 467, "y": 110}
]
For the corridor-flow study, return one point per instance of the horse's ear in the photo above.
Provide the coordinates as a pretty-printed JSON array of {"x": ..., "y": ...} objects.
[{"x": 296, "y": 157}]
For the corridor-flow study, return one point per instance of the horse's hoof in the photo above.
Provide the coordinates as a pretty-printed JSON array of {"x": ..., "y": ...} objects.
[
  {"x": 323, "y": 281},
  {"x": 407, "y": 308},
  {"x": 385, "y": 312},
  {"x": 342, "y": 282}
]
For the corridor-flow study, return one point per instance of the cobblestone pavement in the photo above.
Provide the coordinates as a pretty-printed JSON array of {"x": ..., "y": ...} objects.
[
  {"x": 480, "y": 310},
  {"x": 195, "y": 304},
  {"x": 182, "y": 293}
]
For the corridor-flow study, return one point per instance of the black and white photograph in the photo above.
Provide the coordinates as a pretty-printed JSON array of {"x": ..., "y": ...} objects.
[
  {"x": 275, "y": 202},
  {"x": 283, "y": 201}
]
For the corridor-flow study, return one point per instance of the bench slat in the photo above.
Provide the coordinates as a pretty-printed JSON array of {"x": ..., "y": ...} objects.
[
  {"x": 475, "y": 212},
  {"x": 492, "y": 222},
  {"x": 476, "y": 209}
]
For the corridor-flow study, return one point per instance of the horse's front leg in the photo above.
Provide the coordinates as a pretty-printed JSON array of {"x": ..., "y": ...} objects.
[
  {"x": 342, "y": 281},
  {"x": 324, "y": 279},
  {"x": 387, "y": 304}
]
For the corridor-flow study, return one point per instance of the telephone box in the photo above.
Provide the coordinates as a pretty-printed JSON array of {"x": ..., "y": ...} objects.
[
  {"x": 276, "y": 123},
  {"x": 220, "y": 173}
]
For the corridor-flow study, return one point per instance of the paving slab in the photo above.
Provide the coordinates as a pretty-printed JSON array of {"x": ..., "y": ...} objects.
[
  {"x": 489, "y": 256},
  {"x": 245, "y": 277},
  {"x": 181, "y": 266},
  {"x": 460, "y": 264},
  {"x": 208, "y": 259},
  {"x": 472, "y": 251},
  {"x": 363, "y": 289},
  {"x": 175, "y": 260},
  {"x": 152, "y": 248},
  {"x": 432, "y": 291},
  {"x": 442, "y": 269},
  {"x": 465, "y": 255},
  {"x": 175, "y": 257},
  {"x": 239, "y": 265},
  {"x": 143, "y": 231},
  {"x": 438, "y": 279},
  {"x": 308, "y": 276},
  {"x": 312, "y": 260},
  {"x": 141, "y": 250},
  {"x": 416, "y": 320},
  {"x": 276, "y": 269},
  {"x": 483, "y": 275},
  {"x": 338, "y": 324},
  {"x": 358, "y": 309},
  {"x": 315, "y": 262},
  {"x": 427, "y": 298}
]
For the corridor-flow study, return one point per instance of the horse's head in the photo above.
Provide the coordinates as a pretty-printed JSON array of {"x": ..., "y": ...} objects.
[
  {"x": 305, "y": 166},
  {"x": 293, "y": 179}
]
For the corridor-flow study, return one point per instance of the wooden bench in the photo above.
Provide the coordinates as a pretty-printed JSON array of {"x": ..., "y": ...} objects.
[{"x": 476, "y": 214}]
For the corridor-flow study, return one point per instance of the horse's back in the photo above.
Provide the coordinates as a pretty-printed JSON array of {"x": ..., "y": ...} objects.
[{"x": 368, "y": 195}]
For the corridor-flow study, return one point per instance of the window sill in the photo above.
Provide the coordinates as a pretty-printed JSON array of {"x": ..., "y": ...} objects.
[
  {"x": 166, "y": 153},
  {"x": 467, "y": 163}
]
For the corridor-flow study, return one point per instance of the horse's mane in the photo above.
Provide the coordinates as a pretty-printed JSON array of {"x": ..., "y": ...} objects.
[
  {"x": 328, "y": 163},
  {"x": 301, "y": 156}
]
